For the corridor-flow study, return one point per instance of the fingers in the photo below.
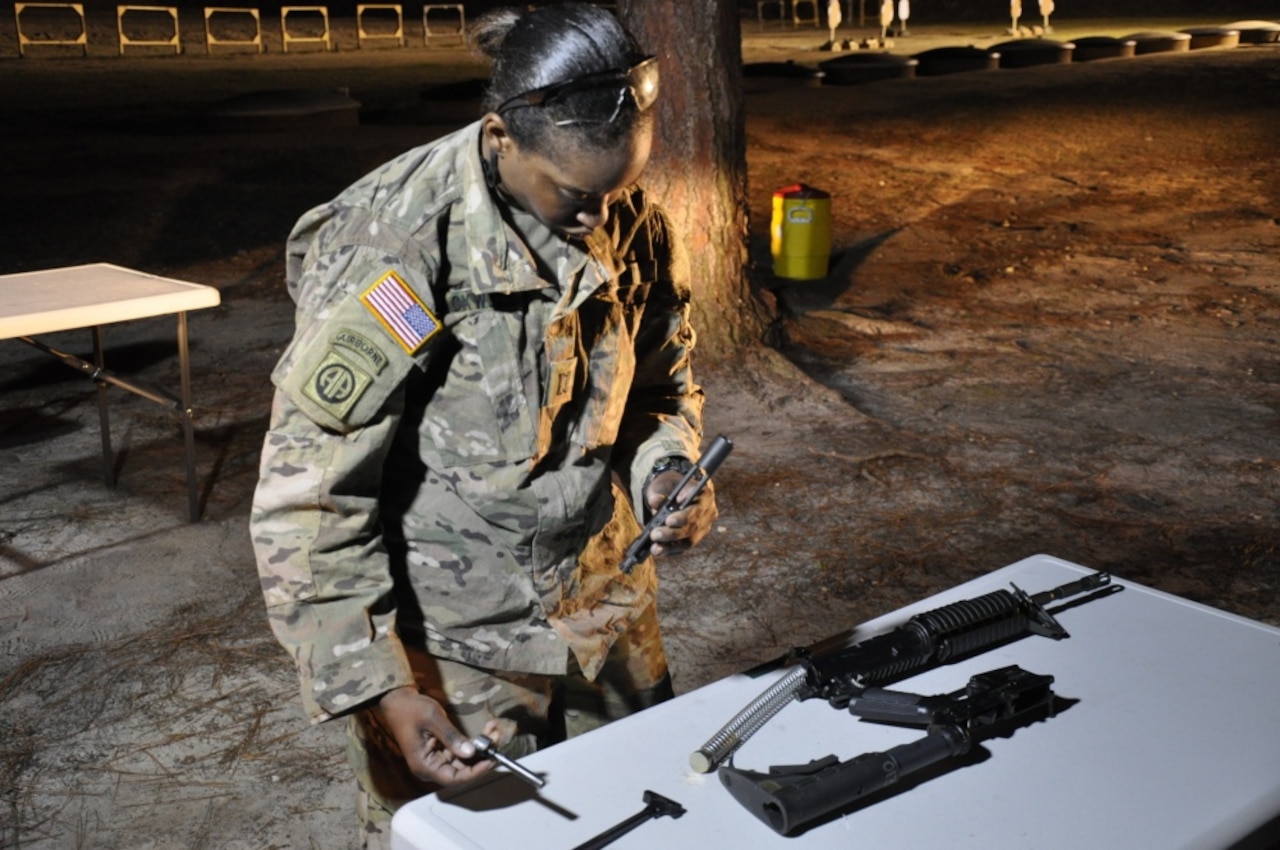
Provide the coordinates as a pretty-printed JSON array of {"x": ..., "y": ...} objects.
[
  {"x": 685, "y": 528},
  {"x": 433, "y": 762},
  {"x": 433, "y": 748},
  {"x": 661, "y": 486},
  {"x": 500, "y": 730}
]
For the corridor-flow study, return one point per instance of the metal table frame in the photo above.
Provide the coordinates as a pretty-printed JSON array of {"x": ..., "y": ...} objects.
[{"x": 91, "y": 296}]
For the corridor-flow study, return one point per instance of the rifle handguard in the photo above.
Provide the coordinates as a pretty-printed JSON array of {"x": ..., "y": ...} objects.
[{"x": 943, "y": 634}]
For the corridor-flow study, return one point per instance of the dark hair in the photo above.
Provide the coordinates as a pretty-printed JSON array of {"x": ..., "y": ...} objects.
[{"x": 547, "y": 45}]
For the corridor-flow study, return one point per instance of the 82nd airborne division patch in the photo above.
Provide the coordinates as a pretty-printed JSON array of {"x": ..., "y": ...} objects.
[{"x": 336, "y": 384}]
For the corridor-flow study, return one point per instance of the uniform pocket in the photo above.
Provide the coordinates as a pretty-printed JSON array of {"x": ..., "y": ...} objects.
[{"x": 481, "y": 412}]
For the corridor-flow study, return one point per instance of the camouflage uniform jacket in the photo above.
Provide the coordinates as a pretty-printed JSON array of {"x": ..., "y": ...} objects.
[{"x": 459, "y": 433}]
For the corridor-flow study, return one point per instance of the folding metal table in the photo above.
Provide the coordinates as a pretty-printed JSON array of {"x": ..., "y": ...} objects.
[{"x": 98, "y": 294}]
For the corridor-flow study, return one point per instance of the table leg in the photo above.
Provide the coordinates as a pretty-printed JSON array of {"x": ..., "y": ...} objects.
[
  {"x": 188, "y": 427},
  {"x": 104, "y": 423}
]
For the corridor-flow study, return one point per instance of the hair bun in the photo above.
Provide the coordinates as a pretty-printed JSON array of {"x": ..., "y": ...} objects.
[{"x": 491, "y": 29}]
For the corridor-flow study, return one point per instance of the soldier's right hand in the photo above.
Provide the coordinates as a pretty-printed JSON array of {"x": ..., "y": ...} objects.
[{"x": 433, "y": 748}]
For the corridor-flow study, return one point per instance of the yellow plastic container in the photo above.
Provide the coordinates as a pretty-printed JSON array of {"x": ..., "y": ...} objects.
[{"x": 801, "y": 232}]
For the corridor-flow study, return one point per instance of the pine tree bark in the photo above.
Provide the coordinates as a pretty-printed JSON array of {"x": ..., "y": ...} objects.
[{"x": 698, "y": 170}]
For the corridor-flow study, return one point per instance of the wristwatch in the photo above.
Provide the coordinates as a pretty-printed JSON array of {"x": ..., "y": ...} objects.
[
  {"x": 670, "y": 462},
  {"x": 677, "y": 462}
]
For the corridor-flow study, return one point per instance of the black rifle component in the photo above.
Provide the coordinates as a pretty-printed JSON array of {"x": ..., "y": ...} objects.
[
  {"x": 789, "y": 797},
  {"x": 487, "y": 749},
  {"x": 944, "y": 634},
  {"x": 655, "y": 806},
  {"x": 702, "y": 471}
]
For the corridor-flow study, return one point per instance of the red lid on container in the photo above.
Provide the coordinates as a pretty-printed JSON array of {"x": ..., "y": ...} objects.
[{"x": 800, "y": 190}]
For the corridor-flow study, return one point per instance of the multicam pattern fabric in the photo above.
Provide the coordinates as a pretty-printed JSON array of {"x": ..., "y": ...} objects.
[{"x": 470, "y": 492}]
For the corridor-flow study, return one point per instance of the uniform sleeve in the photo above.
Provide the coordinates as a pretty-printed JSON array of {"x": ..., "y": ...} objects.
[
  {"x": 323, "y": 568},
  {"x": 664, "y": 408},
  {"x": 340, "y": 386}
]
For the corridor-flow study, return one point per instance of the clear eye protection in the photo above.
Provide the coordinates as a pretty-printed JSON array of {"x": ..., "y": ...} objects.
[{"x": 593, "y": 98}]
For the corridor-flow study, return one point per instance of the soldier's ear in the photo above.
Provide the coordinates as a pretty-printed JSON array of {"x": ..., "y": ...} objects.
[{"x": 497, "y": 139}]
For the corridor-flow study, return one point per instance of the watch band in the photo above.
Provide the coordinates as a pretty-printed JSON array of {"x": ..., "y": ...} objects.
[{"x": 677, "y": 463}]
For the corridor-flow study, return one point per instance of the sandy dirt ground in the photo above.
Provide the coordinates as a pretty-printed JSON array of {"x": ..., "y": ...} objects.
[{"x": 1052, "y": 325}]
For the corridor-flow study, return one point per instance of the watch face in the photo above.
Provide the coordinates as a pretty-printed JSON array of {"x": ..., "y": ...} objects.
[{"x": 679, "y": 464}]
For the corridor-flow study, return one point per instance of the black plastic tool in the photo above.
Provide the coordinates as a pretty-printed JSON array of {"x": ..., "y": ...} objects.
[{"x": 655, "y": 806}]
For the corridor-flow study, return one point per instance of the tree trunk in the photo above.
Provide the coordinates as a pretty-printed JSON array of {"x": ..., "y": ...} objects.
[{"x": 698, "y": 171}]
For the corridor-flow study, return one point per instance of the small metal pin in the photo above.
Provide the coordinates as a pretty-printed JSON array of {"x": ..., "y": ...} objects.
[{"x": 486, "y": 748}]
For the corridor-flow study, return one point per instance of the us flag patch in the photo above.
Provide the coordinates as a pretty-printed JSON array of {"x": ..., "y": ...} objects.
[{"x": 401, "y": 312}]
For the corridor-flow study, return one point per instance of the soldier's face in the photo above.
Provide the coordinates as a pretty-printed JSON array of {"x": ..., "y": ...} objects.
[{"x": 570, "y": 191}]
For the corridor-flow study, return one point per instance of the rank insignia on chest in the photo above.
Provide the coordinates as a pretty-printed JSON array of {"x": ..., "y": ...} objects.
[
  {"x": 399, "y": 310},
  {"x": 560, "y": 387}
]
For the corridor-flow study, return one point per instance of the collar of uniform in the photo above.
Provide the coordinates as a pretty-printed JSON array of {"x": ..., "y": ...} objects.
[
  {"x": 500, "y": 262},
  {"x": 489, "y": 252}
]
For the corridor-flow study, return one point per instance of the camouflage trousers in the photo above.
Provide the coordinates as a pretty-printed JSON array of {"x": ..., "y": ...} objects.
[{"x": 543, "y": 709}]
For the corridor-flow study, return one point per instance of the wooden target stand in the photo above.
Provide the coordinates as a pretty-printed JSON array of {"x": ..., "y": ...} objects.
[
  {"x": 287, "y": 37},
  {"x": 441, "y": 10},
  {"x": 24, "y": 40},
  {"x": 174, "y": 40},
  {"x": 362, "y": 36},
  {"x": 211, "y": 40}
]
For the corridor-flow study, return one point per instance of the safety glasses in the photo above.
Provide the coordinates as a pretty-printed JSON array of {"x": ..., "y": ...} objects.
[{"x": 593, "y": 98}]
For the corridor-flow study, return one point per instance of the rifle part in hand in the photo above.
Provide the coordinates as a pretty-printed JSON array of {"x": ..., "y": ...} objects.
[
  {"x": 789, "y": 797},
  {"x": 701, "y": 472},
  {"x": 942, "y": 635},
  {"x": 485, "y": 748}
]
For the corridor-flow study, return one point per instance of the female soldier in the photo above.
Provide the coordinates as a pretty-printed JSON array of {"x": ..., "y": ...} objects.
[{"x": 488, "y": 388}]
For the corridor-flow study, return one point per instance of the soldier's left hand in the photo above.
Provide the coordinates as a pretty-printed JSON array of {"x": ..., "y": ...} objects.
[
  {"x": 685, "y": 528},
  {"x": 433, "y": 748}
]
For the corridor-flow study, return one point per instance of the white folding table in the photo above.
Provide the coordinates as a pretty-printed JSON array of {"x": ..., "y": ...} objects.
[
  {"x": 97, "y": 294},
  {"x": 1169, "y": 738}
]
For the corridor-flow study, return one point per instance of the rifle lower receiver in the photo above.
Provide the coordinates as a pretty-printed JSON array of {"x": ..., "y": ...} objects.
[{"x": 788, "y": 798}]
